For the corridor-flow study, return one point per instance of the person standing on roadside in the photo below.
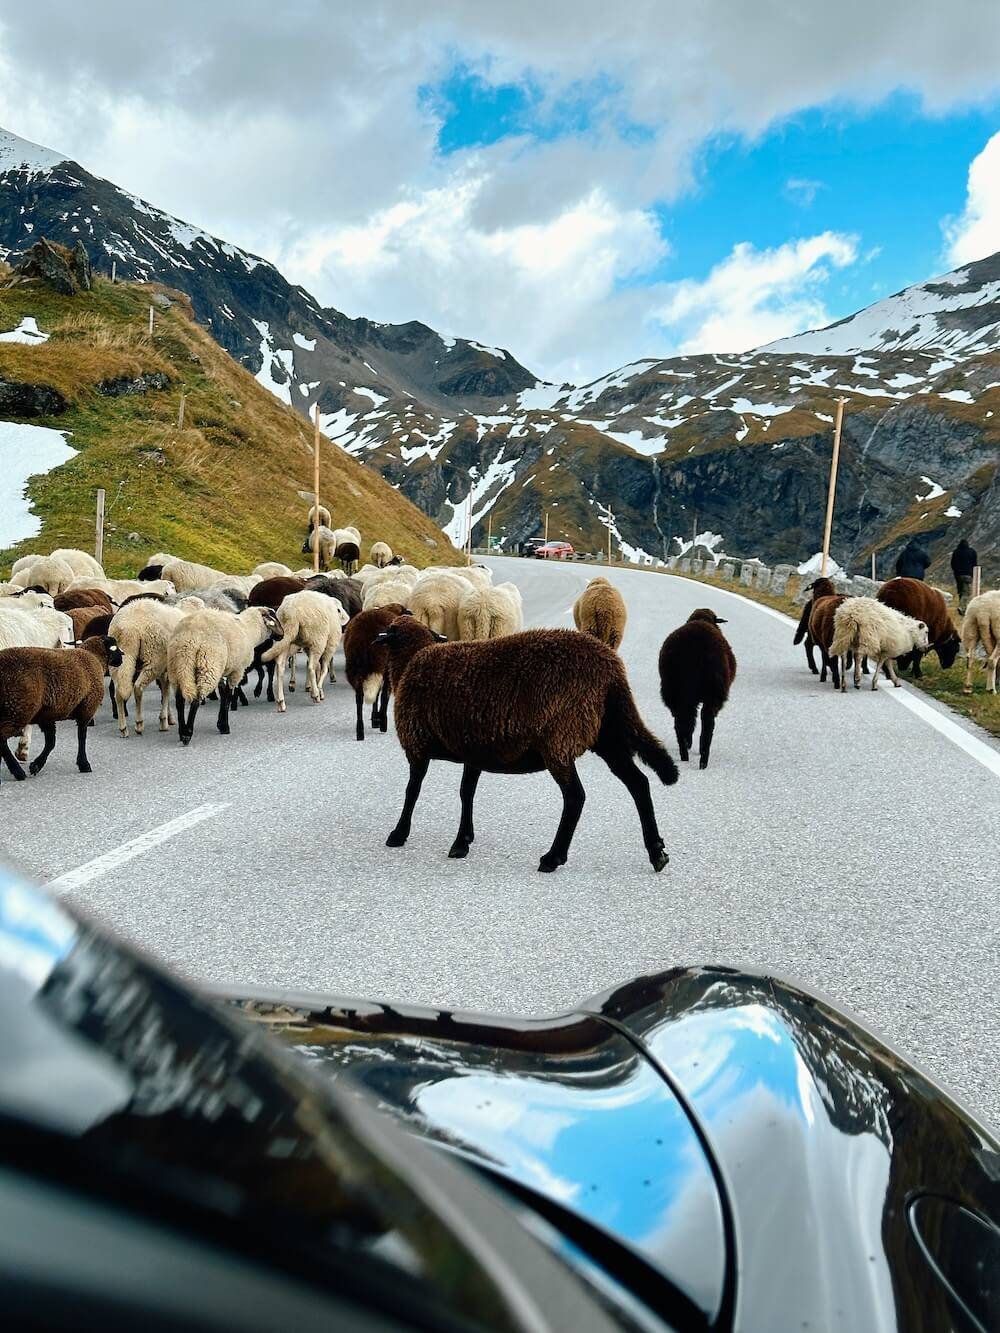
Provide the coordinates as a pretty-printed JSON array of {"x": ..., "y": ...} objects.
[
  {"x": 912, "y": 561},
  {"x": 963, "y": 561}
]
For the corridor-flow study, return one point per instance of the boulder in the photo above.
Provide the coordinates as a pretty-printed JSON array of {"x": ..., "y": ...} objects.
[
  {"x": 29, "y": 400},
  {"x": 763, "y": 579},
  {"x": 697, "y": 566},
  {"x": 64, "y": 270},
  {"x": 746, "y": 575},
  {"x": 685, "y": 565},
  {"x": 726, "y": 571}
]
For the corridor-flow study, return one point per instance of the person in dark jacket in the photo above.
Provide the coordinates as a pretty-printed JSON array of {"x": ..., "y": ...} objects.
[
  {"x": 963, "y": 561},
  {"x": 913, "y": 561}
]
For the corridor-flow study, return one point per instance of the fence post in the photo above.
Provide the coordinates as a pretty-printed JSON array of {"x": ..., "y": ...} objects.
[
  {"x": 833, "y": 485},
  {"x": 874, "y": 575},
  {"x": 151, "y": 321},
  {"x": 99, "y": 535},
  {"x": 977, "y": 578},
  {"x": 316, "y": 491},
  {"x": 611, "y": 519},
  {"x": 180, "y": 413},
  {"x": 114, "y": 270}
]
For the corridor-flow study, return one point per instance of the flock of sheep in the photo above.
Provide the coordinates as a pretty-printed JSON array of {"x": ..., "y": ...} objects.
[
  {"x": 488, "y": 695},
  {"x": 905, "y": 620}
]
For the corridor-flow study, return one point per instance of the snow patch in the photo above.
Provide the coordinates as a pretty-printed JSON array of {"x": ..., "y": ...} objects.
[
  {"x": 933, "y": 493},
  {"x": 958, "y": 396},
  {"x": 377, "y": 398},
  {"x": 22, "y": 155},
  {"x": 307, "y": 344},
  {"x": 25, "y": 451},
  {"x": 742, "y": 405},
  {"x": 953, "y": 512},
  {"x": 268, "y": 356},
  {"x": 815, "y": 563},
  {"x": 26, "y": 332}
]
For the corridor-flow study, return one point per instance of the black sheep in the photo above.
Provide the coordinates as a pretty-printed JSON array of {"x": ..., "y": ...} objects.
[
  {"x": 525, "y": 702},
  {"x": 697, "y": 667},
  {"x": 822, "y": 587}
]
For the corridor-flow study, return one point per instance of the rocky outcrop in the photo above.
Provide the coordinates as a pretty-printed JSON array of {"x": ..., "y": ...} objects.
[
  {"x": 66, "y": 270},
  {"x": 29, "y": 400},
  {"x": 126, "y": 387}
]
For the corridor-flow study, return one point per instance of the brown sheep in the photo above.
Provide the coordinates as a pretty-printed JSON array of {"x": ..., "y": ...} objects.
[
  {"x": 819, "y": 588},
  {"x": 821, "y": 632},
  {"x": 50, "y": 685},
  {"x": 81, "y": 597},
  {"x": 367, "y": 663},
  {"x": 917, "y": 599},
  {"x": 600, "y": 611},
  {"x": 525, "y": 702},
  {"x": 697, "y": 667},
  {"x": 82, "y": 617}
]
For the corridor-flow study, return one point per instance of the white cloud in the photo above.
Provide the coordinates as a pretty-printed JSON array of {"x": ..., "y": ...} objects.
[
  {"x": 802, "y": 190},
  {"x": 754, "y": 296},
  {"x": 976, "y": 233}
]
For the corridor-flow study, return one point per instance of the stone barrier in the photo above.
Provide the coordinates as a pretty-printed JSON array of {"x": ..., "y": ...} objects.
[
  {"x": 746, "y": 575},
  {"x": 763, "y": 579},
  {"x": 672, "y": 561},
  {"x": 685, "y": 565},
  {"x": 697, "y": 566},
  {"x": 779, "y": 583},
  {"x": 726, "y": 571}
]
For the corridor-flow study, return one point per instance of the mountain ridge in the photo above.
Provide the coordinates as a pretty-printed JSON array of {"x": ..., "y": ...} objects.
[{"x": 734, "y": 449}]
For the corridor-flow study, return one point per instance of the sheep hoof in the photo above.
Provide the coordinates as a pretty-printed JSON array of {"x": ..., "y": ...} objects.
[
  {"x": 122, "y": 735},
  {"x": 34, "y": 768},
  {"x": 164, "y": 727},
  {"x": 185, "y": 739},
  {"x": 703, "y": 761},
  {"x": 138, "y": 728},
  {"x": 659, "y": 859},
  {"x": 395, "y": 839},
  {"x": 282, "y": 708},
  {"x": 85, "y": 767},
  {"x": 20, "y": 775},
  {"x": 291, "y": 687},
  {"x": 458, "y": 851},
  {"x": 896, "y": 684},
  {"x": 548, "y": 863},
  {"x": 359, "y": 734}
]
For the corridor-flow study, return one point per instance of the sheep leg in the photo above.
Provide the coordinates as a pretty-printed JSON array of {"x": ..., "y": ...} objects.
[
  {"x": 24, "y": 744},
  {"x": 270, "y": 682},
  {"x": 834, "y": 671},
  {"x": 188, "y": 732},
  {"x": 181, "y": 720},
  {"x": 684, "y": 724},
  {"x": 857, "y": 671},
  {"x": 707, "y": 732},
  {"x": 49, "y": 737},
  {"x": 992, "y": 662},
  {"x": 573, "y": 798},
  {"x": 291, "y": 674},
  {"x": 359, "y": 700},
  {"x": 418, "y": 771},
  {"x": 114, "y": 700},
  {"x": 466, "y": 833},
  {"x": 892, "y": 673},
  {"x": 13, "y": 767},
  {"x": 225, "y": 695},
  {"x": 970, "y": 662},
  {"x": 810, "y": 644},
  {"x": 383, "y": 713},
  {"x": 279, "y": 676},
  {"x": 139, "y": 720},
  {"x": 628, "y": 772},
  {"x": 312, "y": 677},
  {"x": 165, "y": 718},
  {"x": 82, "y": 762}
]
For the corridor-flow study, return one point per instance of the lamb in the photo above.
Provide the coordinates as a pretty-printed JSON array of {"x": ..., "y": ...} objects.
[
  {"x": 314, "y": 622},
  {"x": 211, "y": 650},
  {"x": 819, "y": 588},
  {"x": 600, "y": 611},
  {"x": 489, "y": 612},
  {"x": 81, "y": 616},
  {"x": 821, "y": 613},
  {"x": 982, "y": 626},
  {"x": 919, "y": 601},
  {"x": 526, "y": 702},
  {"x": 324, "y": 516},
  {"x": 869, "y": 628},
  {"x": 326, "y": 539},
  {"x": 142, "y": 630},
  {"x": 23, "y": 625},
  {"x": 46, "y": 686},
  {"x": 380, "y": 554},
  {"x": 367, "y": 663},
  {"x": 53, "y": 575},
  {"x": 78, "y": 597},
  {"x": 697, "y": 667},
  {"x": 79, "y": 562},
  {"x": 348, "y": 592},
  {"x": 271, "y": 569},
  {"x": 386, "y": 592},
  {"x": 28, "y": 599},
  {"x": 434, "y": 601}
]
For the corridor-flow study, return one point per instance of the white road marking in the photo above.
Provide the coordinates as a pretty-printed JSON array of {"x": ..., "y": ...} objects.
[
  {"x": 118, "y": 856},
  {"x": 909, "y": 698}
]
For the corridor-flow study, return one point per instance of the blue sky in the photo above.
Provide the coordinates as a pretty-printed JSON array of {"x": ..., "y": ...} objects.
[{"x": 685, "y": 178}]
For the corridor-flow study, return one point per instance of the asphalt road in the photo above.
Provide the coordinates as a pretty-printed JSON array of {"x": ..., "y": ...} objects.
[{"x": 843, "y": 841}]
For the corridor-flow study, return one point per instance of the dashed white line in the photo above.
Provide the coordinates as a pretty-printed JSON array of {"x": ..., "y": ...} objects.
[{"x": 118, "y": 856}]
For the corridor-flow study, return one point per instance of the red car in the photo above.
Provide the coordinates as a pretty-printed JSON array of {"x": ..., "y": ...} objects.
[{"x": 554, "y": 551}]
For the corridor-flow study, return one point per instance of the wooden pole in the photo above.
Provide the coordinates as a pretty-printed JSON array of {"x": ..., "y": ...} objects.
[
  {"x": 114, "y": 270},
  {"x": 832, "y": 489},
  {"x": 151, "y": 321},
  {"x": 99, "y": 534},
  {"x": 489, "y": 532},
  {"x": 874, "y": 575},
  {"x": 611, "y": 519},
  {"x": 468, "y": 530},
  {"x": 977, "y": 579},
  {"x": 180, "y": 413},
  {"x": 546, "y": 526},
  {"x": 316, "y": 490}
]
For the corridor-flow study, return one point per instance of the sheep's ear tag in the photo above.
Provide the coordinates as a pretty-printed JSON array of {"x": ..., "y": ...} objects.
[
  {"x": 381, "y": 638},
  {"x": 439, "y": 638}
]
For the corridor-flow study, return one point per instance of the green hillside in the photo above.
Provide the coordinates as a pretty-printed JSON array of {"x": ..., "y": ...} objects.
[{"x": 228, "y": 489}]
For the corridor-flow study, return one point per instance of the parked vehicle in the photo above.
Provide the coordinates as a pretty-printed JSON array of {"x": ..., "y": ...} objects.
[
  {"x": 530, "y": 545},
  {"x": 554, "y": 551}
]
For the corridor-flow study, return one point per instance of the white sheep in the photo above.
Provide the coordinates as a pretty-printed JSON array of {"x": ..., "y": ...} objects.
[
  {"x": 386, "y": 591},
  {"x": 315, "y": 623},
  {"x": 477, "y": 574},
  {"x": 490, "y": 613},
  {"x": 54, "y": 575},
  {"x": 186, "y": 575},
  {"x": 868, "y": 628},
  {"x": 380, "y": 554},
  {"x": 982, "y": 626},
  {"x": 326, "y": 539},
  {"x": 142, "y": 630},
  {"x": 27, "y": 625},
  {"x": 79, "y": 561},
  {"x": 325, "y": 518},
  {"x": 160, "y": 558},
  {"x": 271, "y": 569},
  {"x": 434, "y": 601},
  {"x": 211, "y": 650},
  {"x": 347, "y": 547}
]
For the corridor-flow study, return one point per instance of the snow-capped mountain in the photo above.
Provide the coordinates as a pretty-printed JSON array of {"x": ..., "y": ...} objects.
[{"x": 733, "y": 449}]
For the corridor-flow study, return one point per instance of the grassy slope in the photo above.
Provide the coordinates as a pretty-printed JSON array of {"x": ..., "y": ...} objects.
[
  {"x": 980, "y": 707},
  {"x": 225, "y": 490}
]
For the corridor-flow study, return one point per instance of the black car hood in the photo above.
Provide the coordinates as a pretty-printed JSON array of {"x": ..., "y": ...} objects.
[{"x": 769, "y": 1170}]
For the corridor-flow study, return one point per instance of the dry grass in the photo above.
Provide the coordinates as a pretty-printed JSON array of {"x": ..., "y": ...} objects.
[{"x": 227, "y": 489}]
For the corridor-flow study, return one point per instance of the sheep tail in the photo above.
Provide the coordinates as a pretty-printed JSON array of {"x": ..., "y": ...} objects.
[
  {"x": 624, "y": 719},
  {"x": 853, "y": 632},
  {"x": 203, "y": 677},
  {"x": 124, "y": 675},
  {"x": 283, "y": 645},
  {"x": 984, "y": 625},
  {"x": 371, "y": 686},
  {"x": 803, "y": 624}
]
